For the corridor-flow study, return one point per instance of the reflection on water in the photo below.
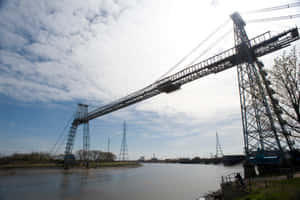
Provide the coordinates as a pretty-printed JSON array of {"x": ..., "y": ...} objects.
[{"x": 150, "y": 182}]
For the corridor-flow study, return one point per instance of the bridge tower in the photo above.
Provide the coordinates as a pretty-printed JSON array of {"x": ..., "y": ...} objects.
[
  {"x": 123, "y": 156},
  {"x": 108, "y": 145},
  {"x": 264, "y": 130},
  {"x": 80, "y": 118}
]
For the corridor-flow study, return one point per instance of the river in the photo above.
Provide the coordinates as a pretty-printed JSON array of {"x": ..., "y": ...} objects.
[{"x": 149, "y": 182}]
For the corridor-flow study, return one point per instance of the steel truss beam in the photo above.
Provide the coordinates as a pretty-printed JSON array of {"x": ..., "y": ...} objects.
[{"x": 261, "y": 45}]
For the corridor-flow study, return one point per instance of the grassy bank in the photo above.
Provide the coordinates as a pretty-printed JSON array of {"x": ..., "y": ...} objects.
[
  {"x": 274, "y": 190},
  {"x": 114, "y": 164},
  {"x": 61, "y": 165},
  {"x": 31, "y": 165}
]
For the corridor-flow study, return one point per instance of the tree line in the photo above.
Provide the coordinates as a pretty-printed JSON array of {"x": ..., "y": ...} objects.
[
  {"x": 34, "y": 156},
  {"x": 93, "y": 155}
]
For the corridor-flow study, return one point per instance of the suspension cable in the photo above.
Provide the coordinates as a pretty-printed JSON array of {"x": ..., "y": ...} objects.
[
  {"x": 194, "y": 49},
  {"x": 54, "y": 147},
  {"x": 286, "y": 6},
  {"x": 274, "y": 18},
  {"x": 61, "y": 144},
  {"x": 210, "y": 47}
]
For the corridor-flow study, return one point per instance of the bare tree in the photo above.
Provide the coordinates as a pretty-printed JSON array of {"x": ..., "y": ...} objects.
[
  {"x": 95, "y": 155},
  {"x": 285, "y": 76},
  {"x": 110, "y": 156}
]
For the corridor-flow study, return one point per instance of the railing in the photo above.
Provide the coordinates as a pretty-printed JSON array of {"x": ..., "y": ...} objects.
[{"x": 230, "y": 178}]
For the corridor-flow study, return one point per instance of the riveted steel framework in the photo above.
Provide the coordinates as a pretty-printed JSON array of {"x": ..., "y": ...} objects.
[
  {"x": 245, "y": 51},
  {"x": 80, "y": 118},
  {"x": 263, "y": 127}
]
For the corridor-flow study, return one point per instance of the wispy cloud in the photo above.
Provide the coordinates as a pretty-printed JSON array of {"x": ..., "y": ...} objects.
[{"x": 37, "y": 45}]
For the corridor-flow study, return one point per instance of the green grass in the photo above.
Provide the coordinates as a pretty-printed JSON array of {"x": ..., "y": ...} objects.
[
  {"x": 29, "y": 164},
  {"x": 275, "y": 190},
  {"x": 113, "y": 164}
]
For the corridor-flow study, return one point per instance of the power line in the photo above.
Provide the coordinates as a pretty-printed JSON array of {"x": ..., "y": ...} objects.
[
  {"x": 210, "y": 47},
  {"x": 61, "y": 144},
  {"x": 274, "y": 18},
  {"x": 194, "y": 49},
  {"x": 108, "y": 145},
  {"x": 286, "y": 6},
  {"x": 55, "y": 147}
]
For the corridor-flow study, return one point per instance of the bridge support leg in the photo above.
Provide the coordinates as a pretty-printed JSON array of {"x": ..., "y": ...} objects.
[
  {"x": 80, "y": 117},
  {"x": 263, "y": 127},
  {"x": 69, "y": 158},
  {"x": 249, "y": 170},
  {"x": 86, "y": 143}
]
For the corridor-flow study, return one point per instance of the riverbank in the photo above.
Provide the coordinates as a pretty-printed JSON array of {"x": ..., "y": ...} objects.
[
  {"x": 262, "y": 188},
  {"x": 288, "y": 189},
  {"x": 114, "y": 164},
  {"x": 226, "y": 160},
  {"x": 18, "y": 165}
]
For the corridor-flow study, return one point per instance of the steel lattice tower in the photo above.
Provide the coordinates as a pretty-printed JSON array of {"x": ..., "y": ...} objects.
[
  {"x": 80, "y": 117},
  {"x": 108, "y": 145},
  {"x": 263, "y": 127},
  {"x": 123, "y": 156},
  {"x": 219, "y": 151}
]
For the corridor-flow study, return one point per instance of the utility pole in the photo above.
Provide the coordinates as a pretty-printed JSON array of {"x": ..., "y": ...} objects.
[
  {"x": 124, "y": 150},
  {"x": 108, "y": 145},
  {"x": 219, "y": 151}
]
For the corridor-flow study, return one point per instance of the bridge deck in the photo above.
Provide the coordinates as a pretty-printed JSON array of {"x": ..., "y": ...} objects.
[{"x": 262, "y": 45}]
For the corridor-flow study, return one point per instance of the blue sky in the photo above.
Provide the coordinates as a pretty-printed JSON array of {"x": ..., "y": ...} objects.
[{"x": 55, "y": 54}]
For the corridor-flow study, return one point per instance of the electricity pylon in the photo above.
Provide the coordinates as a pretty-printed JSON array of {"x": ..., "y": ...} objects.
[
  {"x": 123, "y": 156},
  {"x": 219, "y": 152}
]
